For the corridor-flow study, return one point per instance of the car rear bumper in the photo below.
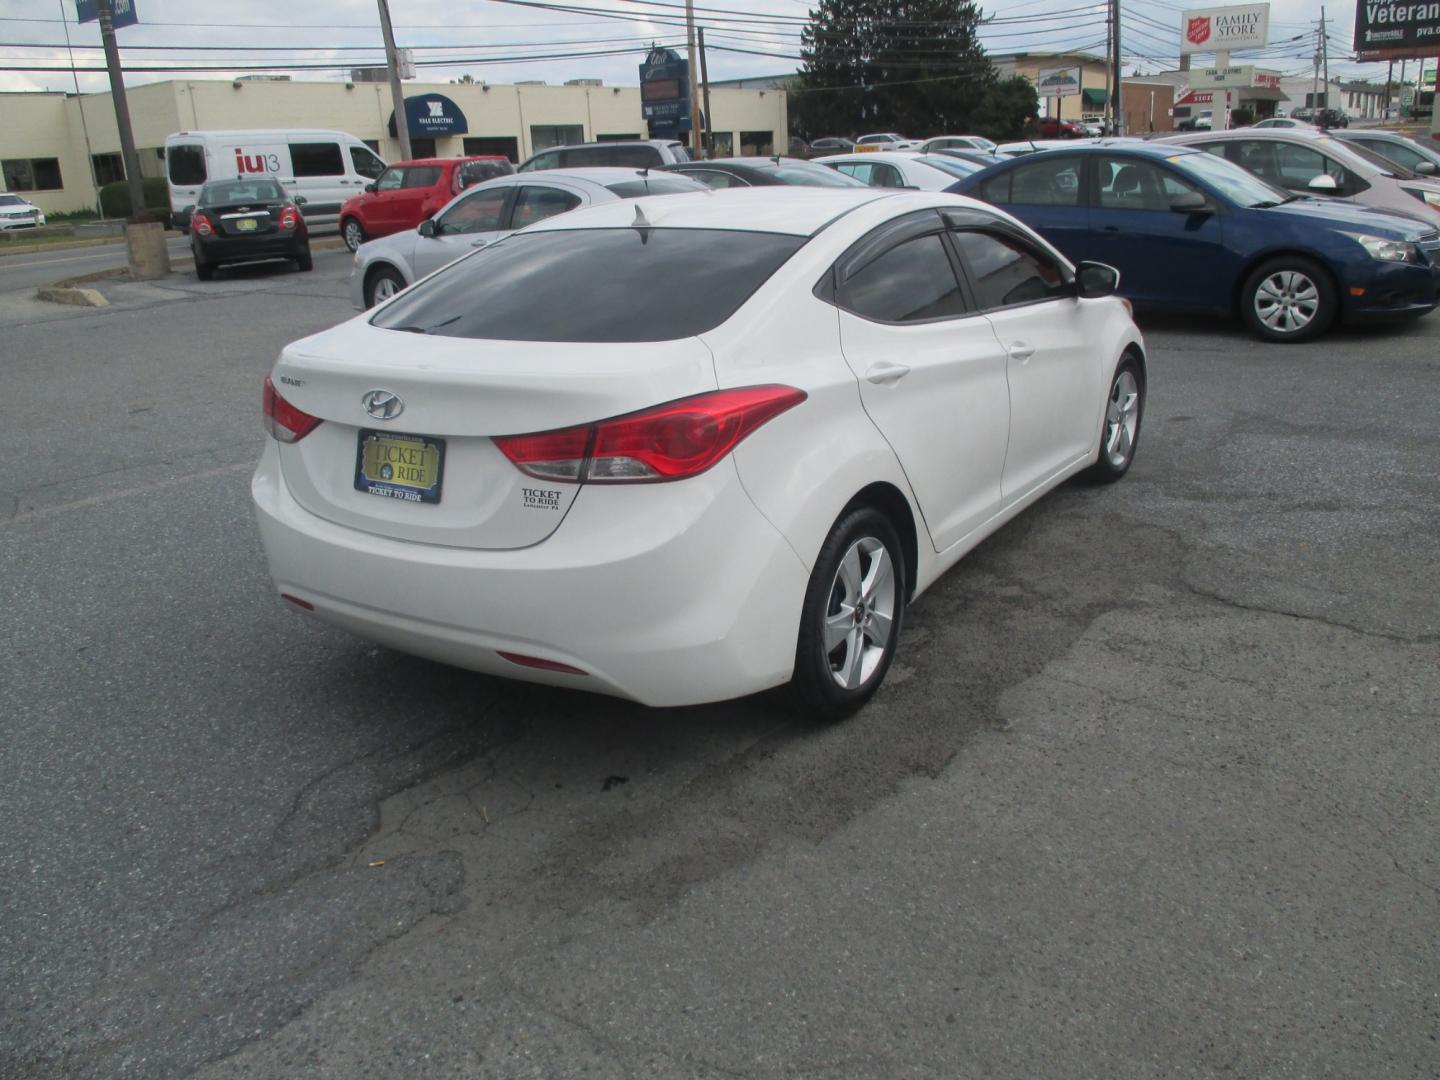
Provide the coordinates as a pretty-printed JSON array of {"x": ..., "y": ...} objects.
[
  {"x": 251, "y": 248},
  {"x": 667, "y": 594}
]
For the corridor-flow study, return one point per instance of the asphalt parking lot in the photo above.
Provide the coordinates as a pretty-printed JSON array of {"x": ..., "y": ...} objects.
[{"x": 1151, "y": 790}]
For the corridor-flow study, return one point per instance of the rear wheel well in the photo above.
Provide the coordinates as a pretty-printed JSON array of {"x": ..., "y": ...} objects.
[{"x": 887, "y": 499}]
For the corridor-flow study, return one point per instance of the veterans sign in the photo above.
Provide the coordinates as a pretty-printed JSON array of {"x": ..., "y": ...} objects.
[
  {"x": 1217, "y": 30},
  {"x": 1396, "y": 31}
]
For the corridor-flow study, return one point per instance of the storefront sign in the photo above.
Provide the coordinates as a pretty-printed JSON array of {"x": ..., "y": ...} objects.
[
  {"x": 1396, "y": 31},
  {"x": 122, "y": 12},
  {"x": 1212, "y": 30},
  {"x": 431, "y": 116},
  {"x": 1235, "y": 75},
  {"x": 665, "y": 93}
]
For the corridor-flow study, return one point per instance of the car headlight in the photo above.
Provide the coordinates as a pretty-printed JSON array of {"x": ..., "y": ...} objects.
[{"x": 1377, "y": 247}]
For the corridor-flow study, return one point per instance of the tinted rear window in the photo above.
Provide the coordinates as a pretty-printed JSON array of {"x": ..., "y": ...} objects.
[
  {"x": 594, "y": 285},
  {"x": 654, "y": 185},
  {"x": 617, "y": 155},
  {"x": 187, "y": 164}
]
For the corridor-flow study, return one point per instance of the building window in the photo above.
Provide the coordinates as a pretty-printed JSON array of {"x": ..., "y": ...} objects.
[
  {"x": 494, "y": 146},
  {"x": 108, "y": 168},
  {"x": 32, "y": 174},
  {"x": 757, "y": 143},
  {"x": 422, "y": 147},
  {"x": 724, "y": 143},
  {"x": 543, "y": 136}
]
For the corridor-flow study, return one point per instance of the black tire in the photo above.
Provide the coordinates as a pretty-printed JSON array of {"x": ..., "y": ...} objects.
[
  {"x": 1118, "y": 437},
  {"x": 814, "y": 690},
  {"x": 305, "y": 261},
  {"x": 379, "y": 274},
  {"x": 203, "y": 270},
  {"x": 348, "y": 227},
  {"x": 1294, "y": 288}
]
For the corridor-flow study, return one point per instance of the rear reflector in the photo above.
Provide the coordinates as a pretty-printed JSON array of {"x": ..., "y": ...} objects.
[
  {"x": 537, "y": 662},
  {"x": 673, "y": 441},
  {"x": 303, "y": 605},
  {"x": 283, "y": 421}
]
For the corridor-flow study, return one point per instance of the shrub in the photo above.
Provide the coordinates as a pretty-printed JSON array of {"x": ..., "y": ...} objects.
[
  {"x": 1242, "y": 117},
  {"x": 115, "y": 197}
]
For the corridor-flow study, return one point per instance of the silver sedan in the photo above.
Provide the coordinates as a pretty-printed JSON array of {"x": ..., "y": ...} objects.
[{"x": 480, "y": 215}]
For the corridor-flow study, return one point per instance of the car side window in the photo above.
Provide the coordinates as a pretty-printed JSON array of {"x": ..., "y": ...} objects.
[
  {"x": 874, "y": 173},
  {"x": 1216, "y": 148},
  {"x": 421, "y": 176},
  {"x": 996, "y": 190},
  {"x": 1298, "y": 165},
  {"x": 550, "y": 160},
  {"x": 317, "y": 159},
  {"x": 1046, "y": 180},
  {"x": 479, "y": 212},
  {"x": 390, "y": 179},
  {"x": 366, "y": 163},
  {"x": 534, "y": 203},
  {"x": 1006, "y": 272},
  {"x": 1396, "y": 152},
  {"x": 910, "y": 282},
  {"x": 1130, "y": 184}
]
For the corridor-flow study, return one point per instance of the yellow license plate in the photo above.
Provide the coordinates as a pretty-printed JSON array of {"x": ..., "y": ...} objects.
[
  {"x": 247, "y": 224},
  {"x": 395, "y": 466}
]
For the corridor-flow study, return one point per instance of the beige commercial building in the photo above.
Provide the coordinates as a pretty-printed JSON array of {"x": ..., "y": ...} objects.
[{"x": 44, "y": 136}]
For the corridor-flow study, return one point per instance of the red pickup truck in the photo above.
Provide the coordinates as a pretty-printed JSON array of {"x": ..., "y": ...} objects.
[{"x": 408, "y": 192}]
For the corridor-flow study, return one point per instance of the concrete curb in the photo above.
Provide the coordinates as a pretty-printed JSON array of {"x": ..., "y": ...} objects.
[
  {"x": 73, "y": 295},
  {"x": 9, "y": 248}
]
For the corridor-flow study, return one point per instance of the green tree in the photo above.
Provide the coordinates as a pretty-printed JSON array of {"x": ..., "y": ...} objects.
[
  {"x": 1006, "y": 107},
  {"x": 913, "y": 66}
]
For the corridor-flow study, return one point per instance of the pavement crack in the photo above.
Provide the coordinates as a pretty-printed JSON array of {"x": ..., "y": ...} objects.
[{"x": 1334, "y": 624}]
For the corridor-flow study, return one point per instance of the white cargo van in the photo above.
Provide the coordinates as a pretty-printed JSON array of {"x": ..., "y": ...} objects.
[{"x": 323, "y": 167}]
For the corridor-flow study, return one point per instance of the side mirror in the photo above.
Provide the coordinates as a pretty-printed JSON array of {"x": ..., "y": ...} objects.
[
  {"x": 300, "y": 200},
  {"x": 1095, "y": 279},
  {"x": 1192, "y": 202},
  {"x": 1425, "y": 168},
  {"x": 427, "y": 227},
  {"x": 1324, "y": 183},
  {"x": 370, "y": 188}
]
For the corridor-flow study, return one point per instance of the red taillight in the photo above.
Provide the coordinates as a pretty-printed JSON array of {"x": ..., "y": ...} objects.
[
  {"x": 289, "y": 217},
  {"x": 538, "y": 662},
  {"x": 669, "y": 442},
  {"x": 283, "y": 421},
  {"x": 202, "y": 225}
]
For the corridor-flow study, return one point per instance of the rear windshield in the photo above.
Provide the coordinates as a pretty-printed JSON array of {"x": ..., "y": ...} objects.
[
  {"x": 222, "y": 192},
  {"x": 807, "y": 175},
  {"x": 596, "y": 285},
  {"x": 187, "y": 164},
  {"x": 654, "y": 185}
]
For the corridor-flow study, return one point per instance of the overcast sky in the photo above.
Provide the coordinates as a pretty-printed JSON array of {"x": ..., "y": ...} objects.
[{"x": 482, "y": 30}]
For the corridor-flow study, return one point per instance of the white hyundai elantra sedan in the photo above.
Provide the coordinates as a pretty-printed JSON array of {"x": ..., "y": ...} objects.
[{"x": 686, "y": 448}]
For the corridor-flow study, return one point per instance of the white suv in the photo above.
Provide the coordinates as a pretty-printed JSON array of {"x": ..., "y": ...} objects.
[{"x": 18, "y": 213}]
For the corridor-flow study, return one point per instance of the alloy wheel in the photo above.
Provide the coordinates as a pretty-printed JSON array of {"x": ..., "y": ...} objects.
[
  {"x": 385, "y": 288},
  {"x": 1122, "y": 418},
  {"x": 861, "y": 615},
  {"x": 354, "y": 237}
]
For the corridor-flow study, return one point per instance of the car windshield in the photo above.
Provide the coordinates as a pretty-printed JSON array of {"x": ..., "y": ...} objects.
[
  {"x": 241, "y": 191},
  {"x": 11, "y": 200},
  {"x": 1380, "y": 161},
  {"x": 593, "y": 285},
  {"x": 1236, "y": 184}
]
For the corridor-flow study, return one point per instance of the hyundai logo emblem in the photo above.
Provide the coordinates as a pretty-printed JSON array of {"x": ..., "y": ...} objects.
[{"x": 382, "y": 404}]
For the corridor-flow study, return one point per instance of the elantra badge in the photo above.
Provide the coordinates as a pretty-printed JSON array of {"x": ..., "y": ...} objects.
[{"x": 382, "y": 404}]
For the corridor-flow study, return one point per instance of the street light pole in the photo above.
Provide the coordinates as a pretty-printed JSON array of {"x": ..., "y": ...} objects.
[
  {"x": 122, "y": 109},
  {"x": 397, "y": 95}
]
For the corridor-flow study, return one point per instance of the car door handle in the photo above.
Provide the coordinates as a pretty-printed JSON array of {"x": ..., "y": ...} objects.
[
  {"x": 886, "y": 373},
  {"x": 1022, "y": 352}
]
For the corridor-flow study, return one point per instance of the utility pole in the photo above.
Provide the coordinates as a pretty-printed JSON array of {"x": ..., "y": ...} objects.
[
  {"x": 1315, "y": 82},
  {"x": 397, "y": 95},
  {"x": 1109, "y": 62},
  {"x": 1325, "y": 53},
  {"x": 694, "y": 92},
  {"x": 1389, "y": 82},
  {"x": 705, "y": 94},
  {"x": 122, "y": 109},
  {"x": 1115, "y": 94}
]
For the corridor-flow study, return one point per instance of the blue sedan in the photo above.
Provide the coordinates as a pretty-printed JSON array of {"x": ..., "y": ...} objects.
[{"x": 1190, "y": 231}]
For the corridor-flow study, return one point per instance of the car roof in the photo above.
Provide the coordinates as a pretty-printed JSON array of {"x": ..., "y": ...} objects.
[
  {"x": 1142, "y": 147},
  {"x": 798, "y": 211},
  {"x": 617, "y": 142},
  {"x": 601, "y": 175},
  {"x": 873, "y": 155}
]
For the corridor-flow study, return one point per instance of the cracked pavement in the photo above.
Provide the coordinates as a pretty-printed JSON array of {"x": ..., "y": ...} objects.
[{"x": 1150, "y": 790}]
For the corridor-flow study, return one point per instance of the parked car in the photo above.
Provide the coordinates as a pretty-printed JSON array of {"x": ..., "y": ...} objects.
[
  {"x": 1190, "y": 231},
  {"x": 632, "y": 154},
  {"x": 761, "y": 172},
  {"x": 1053, "y": 128},
  {"x": 984, "y": 159},
  {"x": 638, "y": 450},
  {"x": 322, "y": 167},
  {"x": 1096, "y": 123},
  {"x": 17, "y": 212},
  {"x": 408, "y": 192},
  {"x": 1032, "y": 146},
  {"x": 957, "y": 142},
  {"x": 831, "y": 145},
  {"x": 1325, "y": 167},
  {"x": 249, "y": 220},
  {"x": 1407, "y": 153},
  {"x": 1204, "y": 120},
  {"x": 886, "y": 140},
  {"x": 1332, "y": 118},
  {"x": 482, "y": 214},
  {"x": 901, "y": 169}
]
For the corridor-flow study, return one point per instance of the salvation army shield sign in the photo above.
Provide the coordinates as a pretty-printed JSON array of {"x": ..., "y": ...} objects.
[{"x": 1198, "y": 30}]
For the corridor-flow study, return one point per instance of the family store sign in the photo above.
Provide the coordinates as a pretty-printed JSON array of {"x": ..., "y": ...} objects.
[{"x": 1219, "y": 30}]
